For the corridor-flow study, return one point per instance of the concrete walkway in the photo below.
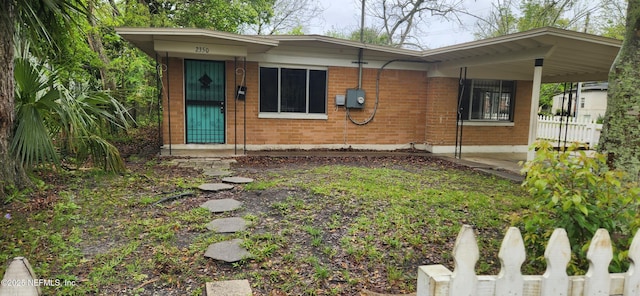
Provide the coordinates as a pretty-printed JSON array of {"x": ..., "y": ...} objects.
[{"x": 504, "y": 165}]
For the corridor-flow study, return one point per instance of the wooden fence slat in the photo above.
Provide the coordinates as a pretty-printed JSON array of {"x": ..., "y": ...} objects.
[
  {"x": 579, "y": 130},
  {"x": 600, "y": 253},
  {"x": 512, "y": 254},
  {"x": 555, "y": 280},
  {"x": 632, "y": 277},
  {"x": 465, "y": 255},
  {"x": 436, "y": 280},
  {"x": 433, "y": 280}
]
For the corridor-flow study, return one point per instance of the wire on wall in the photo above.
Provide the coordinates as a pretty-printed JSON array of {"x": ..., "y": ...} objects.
[{"x": 375, "y": 106}]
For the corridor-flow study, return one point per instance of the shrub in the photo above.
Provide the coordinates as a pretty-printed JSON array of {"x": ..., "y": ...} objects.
[{"x": 578, "y": 192}]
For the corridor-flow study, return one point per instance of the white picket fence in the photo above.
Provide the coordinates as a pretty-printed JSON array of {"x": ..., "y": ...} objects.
[
  {"x": 437, "y": 280},
  {"x": 583, "y": 131}
]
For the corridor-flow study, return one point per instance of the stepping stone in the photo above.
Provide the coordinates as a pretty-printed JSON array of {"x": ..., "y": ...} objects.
[
  {"x": 221, "y": 205},
  {"x": 229, "y": 288},
  {"x": 226, "y": 225},
  {"x": 215, "y": 187},
  {"x": 216, "y": 173},
  {"x": 229, "y": 251},
  {"x": 237, "y": 180}
]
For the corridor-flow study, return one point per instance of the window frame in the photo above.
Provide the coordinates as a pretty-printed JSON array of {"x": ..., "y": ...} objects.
[
  {"x": 279, "y": 114},
  {"x": 468, "y": 102}
]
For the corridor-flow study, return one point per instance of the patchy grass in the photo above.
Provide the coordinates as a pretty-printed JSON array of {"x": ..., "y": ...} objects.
[
  {"x": 372, "y": 227},
  {"x": 314, "y": 229}
]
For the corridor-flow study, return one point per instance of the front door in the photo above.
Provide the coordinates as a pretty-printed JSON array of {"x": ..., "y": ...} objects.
[{"x": 204, "y": 95}]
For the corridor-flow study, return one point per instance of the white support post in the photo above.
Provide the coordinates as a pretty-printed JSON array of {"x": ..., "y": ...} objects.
[{"x": 535, "y": 100}]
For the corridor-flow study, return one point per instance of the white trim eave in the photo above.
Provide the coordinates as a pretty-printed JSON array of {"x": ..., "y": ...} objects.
[
  {"x": 347, "y": 43},
  {"x": 546, "y": 31},
  {"x": 177, "y": 32}
]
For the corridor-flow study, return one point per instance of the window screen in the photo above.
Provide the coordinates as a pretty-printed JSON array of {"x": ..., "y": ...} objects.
[
  {"x": 293, "y": 90},
  {"x": 269, "y": 89}
]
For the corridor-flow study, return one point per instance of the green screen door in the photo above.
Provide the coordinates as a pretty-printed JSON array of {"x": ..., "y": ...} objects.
[{"x": 204, "y": 96}]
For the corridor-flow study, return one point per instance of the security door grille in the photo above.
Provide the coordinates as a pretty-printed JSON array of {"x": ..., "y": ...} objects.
[{"x": 204, "y": 96}]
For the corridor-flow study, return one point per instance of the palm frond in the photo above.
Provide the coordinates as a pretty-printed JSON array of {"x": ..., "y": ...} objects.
[
  {"x": 35, "y": 100},
  {"x": 103, "y": 153},
  {"x": 46, "y": 18},
  {"x": 85, "y": 115}
]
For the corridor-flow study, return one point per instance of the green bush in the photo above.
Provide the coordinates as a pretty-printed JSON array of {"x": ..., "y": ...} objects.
[{"x": 577, "y": 192}]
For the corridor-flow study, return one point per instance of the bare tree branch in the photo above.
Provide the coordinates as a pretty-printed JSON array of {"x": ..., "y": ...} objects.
[
  {"x": 287, "y": 16},
  {"x": 401, "y": 19}
]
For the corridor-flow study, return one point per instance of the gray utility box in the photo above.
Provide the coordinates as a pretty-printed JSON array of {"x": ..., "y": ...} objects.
[{"x": 355, "y": 98}]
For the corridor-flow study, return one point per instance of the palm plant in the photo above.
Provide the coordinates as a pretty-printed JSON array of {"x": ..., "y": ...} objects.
[
  {"x": 51, "y": 118},
  {"x": 35, "y": 102},
  {"x": 41, "y": 20}
]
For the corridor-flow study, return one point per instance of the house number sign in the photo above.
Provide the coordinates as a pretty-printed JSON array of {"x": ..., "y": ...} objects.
[
  {"x": 199, "y": 48},
  {"x": 202, "y": 49}
]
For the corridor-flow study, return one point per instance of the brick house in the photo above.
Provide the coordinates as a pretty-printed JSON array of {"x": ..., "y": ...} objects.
[{"x": 223, "y": 90}]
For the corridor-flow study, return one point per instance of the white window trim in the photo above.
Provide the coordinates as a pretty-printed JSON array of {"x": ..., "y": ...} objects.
[
  {"x": 487, "y": 123},
  {"x": 295, "y": 115},
  {"x": 292, "y": 115}
]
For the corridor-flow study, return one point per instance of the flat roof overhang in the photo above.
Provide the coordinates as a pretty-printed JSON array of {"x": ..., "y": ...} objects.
[
  {"x": 568, "y": 56},
  {"x": 194, "y": 43}
]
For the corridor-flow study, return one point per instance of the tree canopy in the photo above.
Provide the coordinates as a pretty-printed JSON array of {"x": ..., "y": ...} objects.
[
  {"x": 511, "y": 16},
  {"x": 78, "y": 55}
]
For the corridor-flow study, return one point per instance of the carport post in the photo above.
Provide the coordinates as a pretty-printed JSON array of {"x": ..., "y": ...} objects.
[{"x": 535, "y": 100}]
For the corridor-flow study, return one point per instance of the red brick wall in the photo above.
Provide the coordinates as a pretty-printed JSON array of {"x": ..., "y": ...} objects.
[
  {"x": 441, "y": 117},
  {"x": 398, "y": 120},
  {"x": 412, "y": 109}
]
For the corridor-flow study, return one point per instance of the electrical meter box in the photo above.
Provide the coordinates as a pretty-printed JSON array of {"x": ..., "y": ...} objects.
[{"x": 355, "y": 98}]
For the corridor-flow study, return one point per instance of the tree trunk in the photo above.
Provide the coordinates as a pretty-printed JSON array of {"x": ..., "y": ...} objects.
[
  {"x": 12, "y": 174},
  {"x": 95, "y": 42},
  {"x": 620, "y": 139}
]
